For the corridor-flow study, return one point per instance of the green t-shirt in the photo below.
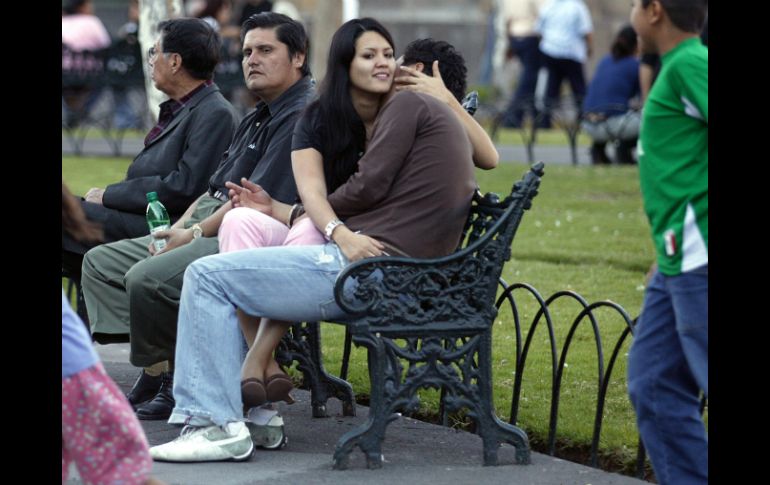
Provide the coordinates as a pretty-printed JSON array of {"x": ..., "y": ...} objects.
[{"x": 673, "y": 158}]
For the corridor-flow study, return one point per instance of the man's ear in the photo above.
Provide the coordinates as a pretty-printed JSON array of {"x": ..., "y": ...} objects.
[
  {"x": 655, "y": 12},
  {"x": 419, "y": 66},
  {"x": 298, "y": 60}
]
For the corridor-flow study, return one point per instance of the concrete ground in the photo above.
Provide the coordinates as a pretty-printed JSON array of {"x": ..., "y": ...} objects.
[{"x": 415, "y": 452}]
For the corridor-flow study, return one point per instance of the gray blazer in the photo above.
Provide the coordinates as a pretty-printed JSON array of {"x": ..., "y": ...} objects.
[{"x": 177, "y": 164}]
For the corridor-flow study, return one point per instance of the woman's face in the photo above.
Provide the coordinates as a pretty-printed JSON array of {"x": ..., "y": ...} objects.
[{"x": 373, "y": 65}]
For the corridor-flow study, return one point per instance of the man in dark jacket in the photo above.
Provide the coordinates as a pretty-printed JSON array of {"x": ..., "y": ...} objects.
[
  {"x": 181, "y": 152},
  {"x": 131, "y": 289}
]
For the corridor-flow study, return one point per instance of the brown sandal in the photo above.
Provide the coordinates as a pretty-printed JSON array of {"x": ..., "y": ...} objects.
[
  {"x": 253, "y": 393},
  {"x": 277, "y": 387}
]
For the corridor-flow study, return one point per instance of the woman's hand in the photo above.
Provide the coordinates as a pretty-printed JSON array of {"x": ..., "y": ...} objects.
[
  {"x": 250, "y": 195},
  {"x": 420, "y": 82}
]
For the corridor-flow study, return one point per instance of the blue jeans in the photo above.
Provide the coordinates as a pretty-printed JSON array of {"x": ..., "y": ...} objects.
[
  {"x": 291, "y": 283},
  {"x": 667, "y": 369}
]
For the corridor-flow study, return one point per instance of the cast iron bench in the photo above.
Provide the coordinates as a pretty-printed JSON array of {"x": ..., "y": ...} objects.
[{"x": 437, "y": 314}]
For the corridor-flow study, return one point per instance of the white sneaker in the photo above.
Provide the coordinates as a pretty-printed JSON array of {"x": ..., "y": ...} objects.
[{"x": 210, "y": 443}]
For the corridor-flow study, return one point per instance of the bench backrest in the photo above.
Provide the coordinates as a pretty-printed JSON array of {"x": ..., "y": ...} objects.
[
  {"x": 81, "y": 68},
  {"x": 119, "y": 65}
]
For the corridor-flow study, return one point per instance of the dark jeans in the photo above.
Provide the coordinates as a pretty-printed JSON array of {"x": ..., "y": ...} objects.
[
  {"x": 558, "y": 71},
  {"x": 667, "y": 369},
  {"x": 115, "y": 224},
  {"x": 523, "y": 101}
]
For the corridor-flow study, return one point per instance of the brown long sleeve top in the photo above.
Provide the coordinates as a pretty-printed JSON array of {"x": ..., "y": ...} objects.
[{"x": 414, "y": 185}]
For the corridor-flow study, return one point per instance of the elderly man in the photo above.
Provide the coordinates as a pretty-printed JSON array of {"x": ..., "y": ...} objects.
[
  {"x": 181, "y": 151},
  {"x": 128, "y": 290}
]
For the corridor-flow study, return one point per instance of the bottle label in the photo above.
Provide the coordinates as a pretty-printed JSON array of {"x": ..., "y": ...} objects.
[{"x": 159, "y": 242}]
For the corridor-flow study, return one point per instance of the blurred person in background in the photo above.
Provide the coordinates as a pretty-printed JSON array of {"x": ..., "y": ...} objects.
[
  {"x": 81, "y": 29},
  {"x": 607, "y": 113}
]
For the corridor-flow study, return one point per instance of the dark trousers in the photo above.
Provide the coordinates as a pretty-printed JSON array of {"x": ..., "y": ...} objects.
[
  {"x": 115, "y": 224},
  {"x": 523, "y": 101},
  {"x": 558, "y": 70}
]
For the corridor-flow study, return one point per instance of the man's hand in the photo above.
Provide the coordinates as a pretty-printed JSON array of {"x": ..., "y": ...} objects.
[
  {"x": 94, "y": 195},
  {"x": 250, "y": 195},
  {"x": 420, "y": 82},
  {"x": 356, "y": 246},
  {"x": 175, "y": 238}
]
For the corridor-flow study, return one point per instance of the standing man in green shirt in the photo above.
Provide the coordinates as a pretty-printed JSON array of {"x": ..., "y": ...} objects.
[{"x": 668, "y": 362}]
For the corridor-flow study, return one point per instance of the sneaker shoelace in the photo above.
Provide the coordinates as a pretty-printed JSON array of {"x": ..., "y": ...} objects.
[{"x": 190, "y": 431}]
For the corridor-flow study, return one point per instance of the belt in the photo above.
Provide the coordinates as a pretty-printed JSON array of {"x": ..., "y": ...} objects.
[{"x": 220, "y": 195}]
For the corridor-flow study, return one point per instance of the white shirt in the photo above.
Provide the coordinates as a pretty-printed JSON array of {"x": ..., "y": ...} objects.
[
  {"x": 564, "y": 25},
  {"x": 522, "y": 15}
]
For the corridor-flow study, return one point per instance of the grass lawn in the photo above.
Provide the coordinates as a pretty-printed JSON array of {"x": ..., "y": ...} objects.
[
  {"x": 550, "y": 137},
  {"x": 585, "y": 232}
]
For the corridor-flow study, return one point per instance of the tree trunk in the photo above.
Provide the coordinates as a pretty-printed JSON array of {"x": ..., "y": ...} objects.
[
  {"x": 326, "y": 19},
  {"x": 151, "y": 12}
]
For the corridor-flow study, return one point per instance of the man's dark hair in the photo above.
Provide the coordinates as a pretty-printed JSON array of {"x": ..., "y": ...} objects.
[
  {"x": 211, "y": 8},
  {"x": 195, "y": 41},
  {"x": 686, "y": 15},
  {"x": 71, "y": 7},
  {"x": 624, "y": 44},
  {"x": 287, "y": 31},
  {"x": 450, "y": 63}
]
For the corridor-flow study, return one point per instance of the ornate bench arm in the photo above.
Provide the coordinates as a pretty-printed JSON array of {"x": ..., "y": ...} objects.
[{"x": 401, "y": 292}]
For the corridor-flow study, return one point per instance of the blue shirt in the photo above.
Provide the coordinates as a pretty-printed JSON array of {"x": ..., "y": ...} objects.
[
  {"x": 615, "y": 82},
  {"x": 77, "y": 353}
]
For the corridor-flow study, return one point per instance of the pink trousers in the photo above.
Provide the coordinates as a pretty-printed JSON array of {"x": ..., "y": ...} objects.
[{"x": 244, "y": 228}]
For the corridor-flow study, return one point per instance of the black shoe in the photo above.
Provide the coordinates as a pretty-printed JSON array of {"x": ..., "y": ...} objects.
[
  {"x": 598, "y": 155},
  {"x": 624, "y": 152},
  {"x": 162, "y": 404},
  {"x": 145, "y": 388}
]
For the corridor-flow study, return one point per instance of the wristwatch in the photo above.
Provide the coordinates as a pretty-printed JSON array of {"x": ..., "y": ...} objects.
[
  {"x": 197, "y": 231},
  {"x": 329, "y": 229}
]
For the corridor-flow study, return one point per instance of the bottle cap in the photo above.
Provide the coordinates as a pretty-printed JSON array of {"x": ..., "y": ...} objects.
[{"x": 151, "y": 196}]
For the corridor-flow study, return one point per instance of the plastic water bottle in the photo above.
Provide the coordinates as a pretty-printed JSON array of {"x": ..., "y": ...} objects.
[{"x": 157, "y": 219}]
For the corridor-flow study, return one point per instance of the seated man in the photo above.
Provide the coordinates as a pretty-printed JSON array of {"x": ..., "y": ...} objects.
[
  {"x": 181, "y": 151},
  {"x": 434, "y": 67},
  {"x": 127, "y": 289},
  {"x": 411, "y": 195}
]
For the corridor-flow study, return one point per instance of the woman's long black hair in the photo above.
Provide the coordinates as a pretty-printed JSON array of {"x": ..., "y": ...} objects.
[{"x": 341, "y": 129}]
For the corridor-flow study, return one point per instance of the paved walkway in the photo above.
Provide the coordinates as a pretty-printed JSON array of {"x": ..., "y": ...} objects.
[
  {"x": 557, "y": 155},
  {"x": 415, "y": 452}
]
